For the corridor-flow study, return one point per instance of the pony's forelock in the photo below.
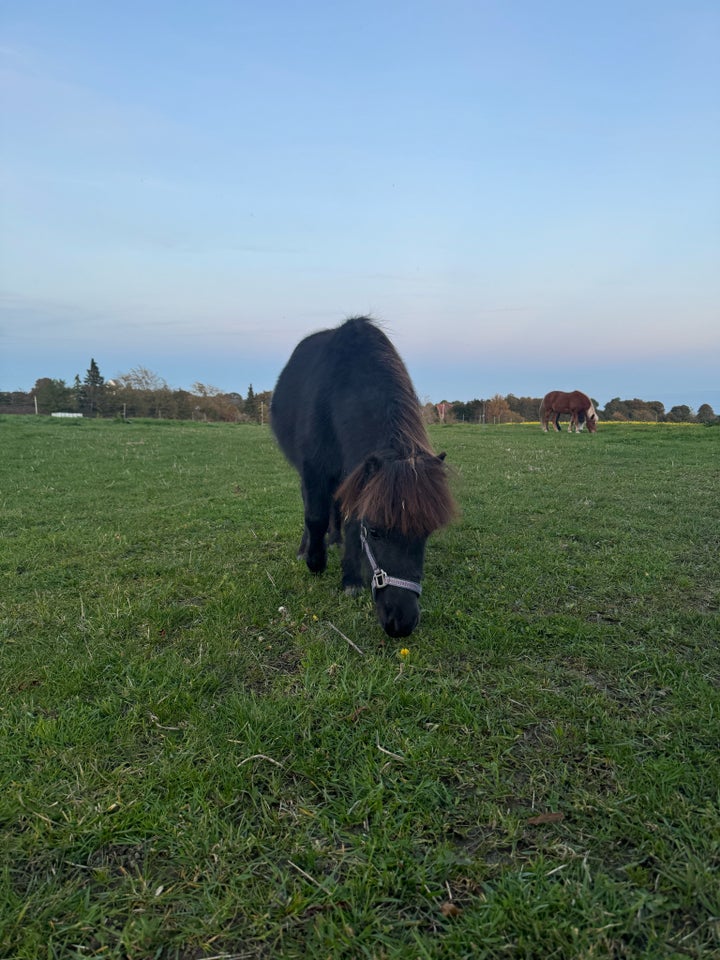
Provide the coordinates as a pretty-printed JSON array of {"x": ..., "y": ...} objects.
[{"x": 410, "y": 496}]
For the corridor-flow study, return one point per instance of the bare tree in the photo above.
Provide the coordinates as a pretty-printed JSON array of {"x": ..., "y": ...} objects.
[
  {"x": 497, "y": 410},
  {"x": 140, "y": 378}
]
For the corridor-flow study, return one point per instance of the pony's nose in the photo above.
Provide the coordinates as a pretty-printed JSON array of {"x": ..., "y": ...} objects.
[{"x": 398, "y": 623}]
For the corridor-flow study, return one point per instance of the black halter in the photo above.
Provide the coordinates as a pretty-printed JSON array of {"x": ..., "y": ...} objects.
[{"x": 381, "y": 579}]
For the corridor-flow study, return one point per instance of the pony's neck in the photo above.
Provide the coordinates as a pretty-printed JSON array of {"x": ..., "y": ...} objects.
[{"x": 408, "y": 436}]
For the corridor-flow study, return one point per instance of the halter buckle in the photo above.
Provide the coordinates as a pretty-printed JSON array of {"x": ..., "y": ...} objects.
[{"x": 379, "y": 580}]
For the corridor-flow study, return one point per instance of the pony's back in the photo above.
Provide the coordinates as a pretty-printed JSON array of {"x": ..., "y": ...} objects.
[
  {"x": 341, "y": 390},
  {"x": 294, "y": 392}
]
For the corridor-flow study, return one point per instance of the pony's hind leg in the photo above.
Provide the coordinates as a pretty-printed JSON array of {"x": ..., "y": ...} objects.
[
  {"x": 302, "y": 549},
  {"x": 335, "y": 528}
]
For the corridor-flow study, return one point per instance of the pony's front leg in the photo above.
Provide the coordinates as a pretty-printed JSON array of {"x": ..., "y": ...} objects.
[
  {"x": 316, "y": 552},
  {"x": 352, "y": 558},
  {"x": 317, "y": 502}
]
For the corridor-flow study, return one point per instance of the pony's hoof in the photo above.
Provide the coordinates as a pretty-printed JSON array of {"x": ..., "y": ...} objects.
[
  {"x": 353, "y": 589},
  {"x": 316, "y": 563}
]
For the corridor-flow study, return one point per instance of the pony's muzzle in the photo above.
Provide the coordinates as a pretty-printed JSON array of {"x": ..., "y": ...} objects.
[{"x": 398, "y": 611}]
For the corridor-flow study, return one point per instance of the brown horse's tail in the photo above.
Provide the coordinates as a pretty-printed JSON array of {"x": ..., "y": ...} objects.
[{"x": 541, "y": 411}]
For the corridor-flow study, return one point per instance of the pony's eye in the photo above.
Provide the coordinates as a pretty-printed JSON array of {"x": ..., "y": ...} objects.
[{"x": 373, "y": 533}]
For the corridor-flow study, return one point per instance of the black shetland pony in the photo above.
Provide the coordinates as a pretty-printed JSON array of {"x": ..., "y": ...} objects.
[
  {"x": 577, "y": 404},
  {"x": 346, "y": 416}
]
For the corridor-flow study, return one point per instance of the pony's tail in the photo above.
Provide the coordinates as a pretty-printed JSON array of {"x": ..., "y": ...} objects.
[{"x": 541, "y": 411}]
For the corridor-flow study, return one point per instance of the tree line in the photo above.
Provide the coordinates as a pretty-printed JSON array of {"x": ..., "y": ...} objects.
[
  {"x": 142, "y": 393},
  {"x": 137, "y": 394},
  {"x": 512, "y": 409}
]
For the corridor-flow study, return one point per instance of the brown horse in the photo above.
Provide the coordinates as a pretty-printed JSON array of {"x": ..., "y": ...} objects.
[{"x": 577, "y": 404}]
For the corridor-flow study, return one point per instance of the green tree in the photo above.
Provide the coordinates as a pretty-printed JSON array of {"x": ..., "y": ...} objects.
[
  {"x": 78, "y": 391},
  {"x": 615, "y": 409},
  {"x": 52, "y": 395},
  {"x": 470, "y": 412},
  {"x": 681, "y": 414},
  {"x": 639, "y": 410},
  {"x": 252, "y": 407},
  {"x": 527, "y": 407},
  {"x": 94, "y": 384},
  {"x": 16, "y": 401},
  {"x": 706, "y": 414}
]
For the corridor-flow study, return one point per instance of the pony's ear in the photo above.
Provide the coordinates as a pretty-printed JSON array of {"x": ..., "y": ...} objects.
[
  {"x": 372, "y": 465},
  {"x": 441, "y": 456}
]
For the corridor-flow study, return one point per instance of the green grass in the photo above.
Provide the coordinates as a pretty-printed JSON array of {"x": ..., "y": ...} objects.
[{"x": 195, "y": 763}]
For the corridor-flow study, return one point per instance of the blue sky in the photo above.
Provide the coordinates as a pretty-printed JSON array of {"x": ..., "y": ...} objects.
[{"x": 525, "y": 192}]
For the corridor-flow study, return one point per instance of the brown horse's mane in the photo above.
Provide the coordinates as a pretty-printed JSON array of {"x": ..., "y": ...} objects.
[{"x": 404, "y": 486}]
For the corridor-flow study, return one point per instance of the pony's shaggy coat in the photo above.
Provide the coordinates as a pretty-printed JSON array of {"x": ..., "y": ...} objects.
[{"x": 346, "y": 415}]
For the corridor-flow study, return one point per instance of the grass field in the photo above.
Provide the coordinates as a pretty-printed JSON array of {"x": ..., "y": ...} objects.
[{"x": 195, "y": 763}]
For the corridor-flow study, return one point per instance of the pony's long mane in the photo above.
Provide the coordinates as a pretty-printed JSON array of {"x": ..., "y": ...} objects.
[
  {"x": 406, "y": 430},
  {"x": 404, "y": 486}
]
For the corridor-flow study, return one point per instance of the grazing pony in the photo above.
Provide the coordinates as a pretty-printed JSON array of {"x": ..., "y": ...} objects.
[
  {"x": 577, "y": 404},
  {"x": 346, "y": 416}
]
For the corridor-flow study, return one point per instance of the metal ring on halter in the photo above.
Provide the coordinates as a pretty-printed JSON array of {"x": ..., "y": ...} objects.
[{"x": 381, "y": 579}]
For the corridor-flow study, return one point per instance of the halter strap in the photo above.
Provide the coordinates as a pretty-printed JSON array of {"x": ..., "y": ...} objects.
[{"x": 381, "y": 579}]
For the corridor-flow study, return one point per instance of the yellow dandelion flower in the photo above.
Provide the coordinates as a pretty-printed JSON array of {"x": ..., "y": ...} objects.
[{"x": 404, "y": 652}]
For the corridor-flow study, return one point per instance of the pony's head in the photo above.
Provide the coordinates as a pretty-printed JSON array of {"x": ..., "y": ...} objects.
[{"x": 398, "y": 502}]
